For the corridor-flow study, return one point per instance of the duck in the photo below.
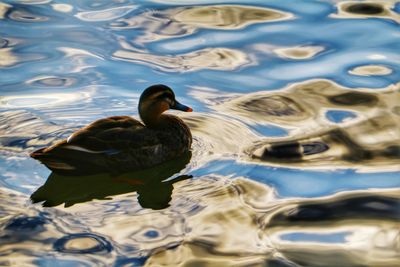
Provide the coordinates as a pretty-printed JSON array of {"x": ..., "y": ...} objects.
[{"x": 121, "y": 144}]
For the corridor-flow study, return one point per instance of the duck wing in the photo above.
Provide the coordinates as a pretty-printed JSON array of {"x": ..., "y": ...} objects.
[
  {"x": 114, "y": 133},
  {"x": 118, "y": 143}
]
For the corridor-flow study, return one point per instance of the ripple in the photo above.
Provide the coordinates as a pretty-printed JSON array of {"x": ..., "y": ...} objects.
[
  {"x": 227, "y": 16},
  {"x": 77, "y": 53},
  {"x": 106, "y": 14},
  {"x": 10, "y": 58},
  {"x": 251, "y": 209},
  {"x": 156, "y": 25},
  {"x": 23, "y": 131},
  {"x": 151, "y": 234},
  {"x": 35, "y": 2},
  {"x": 25, "y": 228},
  {"x": 295, "y": 105},
  {"x": 49, "y": 99},
  {"x": 364, "y": 8},
  {"x": 339, "y": 116},
  {"x": 370, "y": 70},
  {"x": 82, "y": 243},
  {"x": 177, "y": 22},
  {"x": 65, "y": 8},
  {"x": 314, "y": 148},
  {"x": 299, "y": 53},
  {"x": 373, "y": 9},
  {"x": 341, "y": 207},
  {"x": 7, "y": 42},
  {"x": 266, "y": 107},
  {"x": 346, "y": 218},
  {"x": 52, "y": 81},
  {"x": 208, "y": 131},
  {"x": 7, "y": 57},
  {"x": 24, "y": 223},
  {"x": 291, "y": 150},
  {"x": 212, "y": 231},
  {"x": 4, "y": 9},
  {"x": 336, "y": 148},
  {"x": 278, "y": 106},
  {"x": 3, "y": 43},
  {"x": 353, "y": 98},
  {"x": 22, "y": 15},
  {"x": 312, "y": 141},
  {"x": 396, "y": 110},
  {"x": 210, "y": 58}
]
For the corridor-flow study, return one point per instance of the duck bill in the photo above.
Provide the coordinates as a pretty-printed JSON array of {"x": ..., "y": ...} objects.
[{"x": 179, "y": 106}]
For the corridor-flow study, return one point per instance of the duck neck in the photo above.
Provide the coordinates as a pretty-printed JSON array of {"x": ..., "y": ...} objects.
[
  {"x": 152, "y": 118},
  {"x": 150, "y": 121}
]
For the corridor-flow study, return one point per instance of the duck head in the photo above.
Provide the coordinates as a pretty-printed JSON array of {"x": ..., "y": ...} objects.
[{"x": 155, "y": 100}]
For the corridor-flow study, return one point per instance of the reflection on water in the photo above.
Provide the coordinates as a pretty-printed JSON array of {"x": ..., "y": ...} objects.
[
  {"x": 52, "y": 81},
  {"x": 299, "y": 52},
  {"x": 3, "y": 10},
  {"x": 352, "y": 9},
  {"x": 153, "y": 192},
  {"x": 107, "y": 14},
  {"x": 226, "y": 16},
  {"x": 215, "y": 59},
  {"x": 339, "y": 218},
  {"x": 175, "y": 22},
  {"x": 82, "y": 243},
  {"x": 7, "y": 58},
  {"x": 371, "y": 70},
  {"x": 370, "y": 138},
  {"x": 296, "y": 155}
]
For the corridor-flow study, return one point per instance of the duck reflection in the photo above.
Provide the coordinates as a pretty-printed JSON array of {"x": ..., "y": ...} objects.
[{"x": 153, "y": 191}]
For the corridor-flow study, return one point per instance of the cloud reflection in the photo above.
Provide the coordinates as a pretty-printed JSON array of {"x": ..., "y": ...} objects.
[
  {"x": 177, "y": 22},
  {"x": 367, "y": 142},
  {"x": 7, "y": 58},
  {"x": 3, "y": 9},
  {"x": 370, "y": 70},
  {"x": 298, "y": 53},
  {"x": 227, "y": 16},
  {"x": 209, "y": 58},
  {"x": 106, "y": 14}
]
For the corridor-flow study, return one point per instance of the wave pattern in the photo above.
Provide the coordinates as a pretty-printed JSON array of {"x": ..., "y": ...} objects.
[
  {"x": 296, "y": 152},
  {"x": 367, "y": 140}
]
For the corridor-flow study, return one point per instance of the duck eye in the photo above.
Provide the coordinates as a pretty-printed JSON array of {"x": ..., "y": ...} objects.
[
  {"x": 166, "y": 97},
  {"x": 169, "y": 101}
]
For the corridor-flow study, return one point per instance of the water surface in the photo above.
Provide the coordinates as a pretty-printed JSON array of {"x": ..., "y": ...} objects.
[{"x": 296, "y": 128}]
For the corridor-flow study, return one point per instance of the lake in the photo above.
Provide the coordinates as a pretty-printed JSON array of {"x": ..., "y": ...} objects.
[{"x": 296, "y": 132}]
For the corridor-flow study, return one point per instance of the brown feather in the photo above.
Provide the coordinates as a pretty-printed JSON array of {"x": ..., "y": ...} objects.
[
  {"x": 117, "y": 144},
  {"x": 121, "y": 143}
]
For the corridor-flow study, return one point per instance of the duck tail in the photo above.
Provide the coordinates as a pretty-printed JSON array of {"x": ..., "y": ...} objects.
[
  {"x": 53, "y": 161},
  {"x": 65, "y": 161},
  {"x": 38, "y": 154}
]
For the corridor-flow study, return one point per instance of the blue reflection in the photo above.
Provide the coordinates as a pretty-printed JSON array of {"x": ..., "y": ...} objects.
[
  {"x": 101, "y": 245},
  {"x": 50, "y": 262},
  {"x": 300, "y": 182},
  {"x": 316, "y": 237},
  {"x": 338, "y": 116},
  {"x": 271, "y": 130},
  {"x": 151, "y": 234},
  {"x": 130, "y": 262}
]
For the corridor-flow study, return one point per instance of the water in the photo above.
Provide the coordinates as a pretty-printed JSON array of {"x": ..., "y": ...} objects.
[{"x": 296, "y": 150}]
